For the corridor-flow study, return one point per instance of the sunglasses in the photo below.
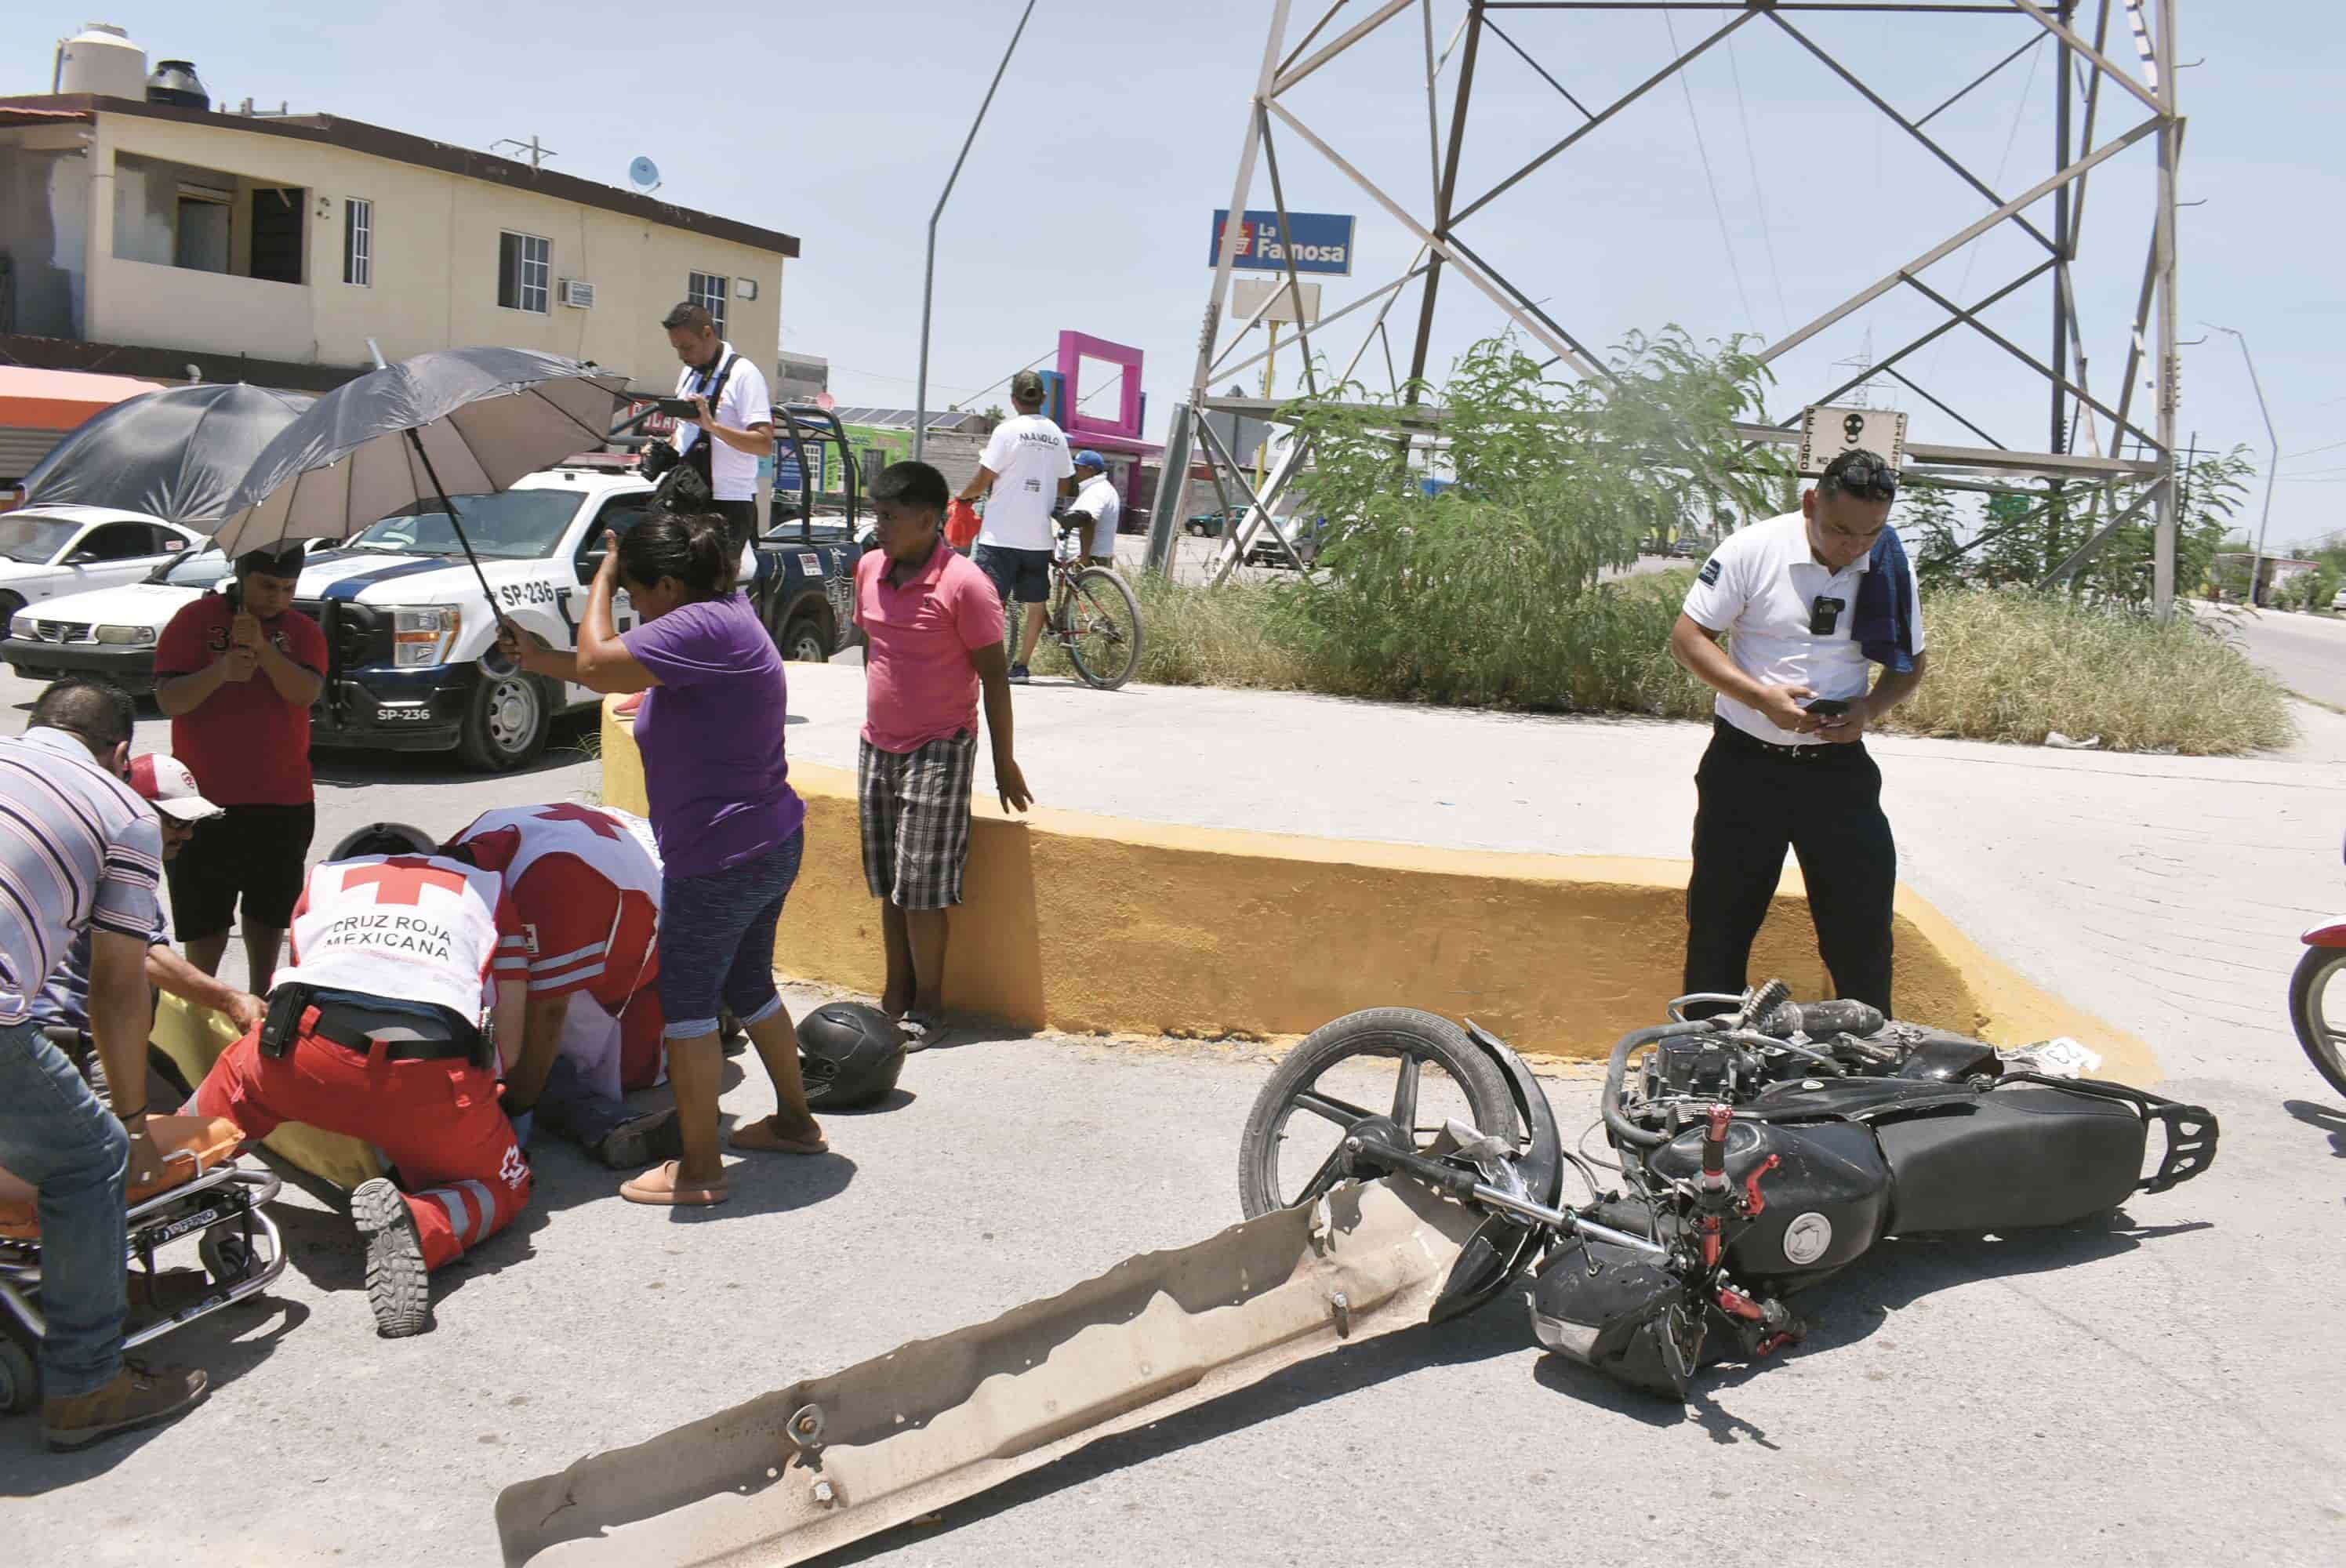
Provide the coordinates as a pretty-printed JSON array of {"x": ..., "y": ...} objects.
[{"x": 1862, "y": 474}]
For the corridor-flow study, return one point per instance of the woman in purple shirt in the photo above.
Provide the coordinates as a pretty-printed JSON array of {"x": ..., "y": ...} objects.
[{"x": 729, "y": 827}]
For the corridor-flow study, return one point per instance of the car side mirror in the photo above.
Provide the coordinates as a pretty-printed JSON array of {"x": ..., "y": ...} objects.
[
  {"x": 82, "y": 558},
  {"x": 588, "y": 565}
]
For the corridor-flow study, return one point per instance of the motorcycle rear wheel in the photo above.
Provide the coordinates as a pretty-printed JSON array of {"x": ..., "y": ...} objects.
[
  {"x": 1413, "y": 1040},
  {"x": 2325, "y": 1046}
]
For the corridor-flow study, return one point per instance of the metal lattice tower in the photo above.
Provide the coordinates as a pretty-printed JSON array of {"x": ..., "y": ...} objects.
[{"x": 2086, "y": 437}]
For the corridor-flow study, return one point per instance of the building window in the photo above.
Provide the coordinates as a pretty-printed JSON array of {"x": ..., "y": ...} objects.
[
  {"x": 706, "y": 290},
  {"x": 524, "y": 266},
  {"x": 358, "y": 242}
]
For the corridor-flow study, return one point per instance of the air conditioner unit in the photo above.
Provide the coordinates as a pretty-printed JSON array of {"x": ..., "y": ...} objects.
[{"x": 578, "y": 293}]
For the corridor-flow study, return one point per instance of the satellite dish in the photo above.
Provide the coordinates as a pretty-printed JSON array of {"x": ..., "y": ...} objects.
[{"x": 644, "y": 175}]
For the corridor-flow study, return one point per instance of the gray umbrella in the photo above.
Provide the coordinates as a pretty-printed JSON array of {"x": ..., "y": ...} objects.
[
  {"x": 454, "y": 420},
  {"x": 175, "y": 453}
]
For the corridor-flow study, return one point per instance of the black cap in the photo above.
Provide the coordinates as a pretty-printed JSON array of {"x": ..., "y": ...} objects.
[{"x": 276, "y": 561}]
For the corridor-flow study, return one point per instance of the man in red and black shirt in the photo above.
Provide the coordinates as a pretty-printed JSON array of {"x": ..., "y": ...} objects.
[{"x": 237, "y": 671}]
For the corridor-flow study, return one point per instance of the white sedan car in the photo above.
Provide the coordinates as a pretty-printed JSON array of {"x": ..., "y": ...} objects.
[{"x": 48, "y": 550}]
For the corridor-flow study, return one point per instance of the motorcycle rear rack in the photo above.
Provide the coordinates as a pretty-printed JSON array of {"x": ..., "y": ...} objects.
[{"x": 2191, "y": 1130}]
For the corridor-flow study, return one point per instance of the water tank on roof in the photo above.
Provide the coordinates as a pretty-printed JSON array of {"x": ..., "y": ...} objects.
[
  {"x": 175, "y": 82},
  {"x": 101, "y": 59}
]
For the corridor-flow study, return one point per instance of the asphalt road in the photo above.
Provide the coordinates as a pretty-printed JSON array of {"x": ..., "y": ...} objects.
[
  {"x": 2308, "y": 653},
  {"x": 2154, "y": 1389}
]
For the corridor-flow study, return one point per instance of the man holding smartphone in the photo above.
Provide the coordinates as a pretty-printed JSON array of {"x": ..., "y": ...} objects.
[
  {"x": 237, "y": 671},
  {"x": 1806, "y": 604}
]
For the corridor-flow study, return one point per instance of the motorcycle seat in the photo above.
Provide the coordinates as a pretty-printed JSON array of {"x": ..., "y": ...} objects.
[{"x": 190, "y": 1146}]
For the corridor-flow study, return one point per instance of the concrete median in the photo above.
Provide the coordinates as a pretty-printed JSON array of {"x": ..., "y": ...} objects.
[{"x": 1088, "y": 923}]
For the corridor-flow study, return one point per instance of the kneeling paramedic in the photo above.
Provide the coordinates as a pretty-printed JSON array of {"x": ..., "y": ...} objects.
[
  {"x": 373, "y": 1031},
  {"x": 585, "y": 882}
]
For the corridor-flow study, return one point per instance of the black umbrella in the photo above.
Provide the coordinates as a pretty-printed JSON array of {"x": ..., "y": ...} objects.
[
  {"x": 176, "y": 453},
  {"x": 476, "y": 418}
]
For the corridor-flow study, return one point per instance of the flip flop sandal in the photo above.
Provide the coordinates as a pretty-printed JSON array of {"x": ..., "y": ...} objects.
[
  {"x": 659, "y": 1185},
  {"x": 760, "y": 1136}
]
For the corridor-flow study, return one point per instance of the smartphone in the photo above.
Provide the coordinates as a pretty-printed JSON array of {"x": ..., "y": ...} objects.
[
  {"x": 677, "y": 407},
  {"x": 1826, "y": 707}
]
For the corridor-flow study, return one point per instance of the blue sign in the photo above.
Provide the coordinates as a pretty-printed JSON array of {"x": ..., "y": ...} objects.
[{"x": 1316, "y": 241}]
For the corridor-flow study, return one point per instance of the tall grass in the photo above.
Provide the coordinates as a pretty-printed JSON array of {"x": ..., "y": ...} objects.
[
  {"x": 2005, "y": 665},
  {"x": 2014, "y": 666}
]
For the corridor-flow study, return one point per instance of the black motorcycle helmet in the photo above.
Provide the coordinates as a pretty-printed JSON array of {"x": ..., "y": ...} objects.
[
  {"x": 849, "y": 1054},
  {"x": 385, "y": 838}
]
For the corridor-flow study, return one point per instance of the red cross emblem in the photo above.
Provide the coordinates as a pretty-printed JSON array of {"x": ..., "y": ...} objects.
[
  {"x": 401, "y": 879},
  {"x": 570, "y": 811}
]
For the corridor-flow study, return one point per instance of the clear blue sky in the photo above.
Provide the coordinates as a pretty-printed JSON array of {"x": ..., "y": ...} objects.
[{"x": 1086, "y": 203}]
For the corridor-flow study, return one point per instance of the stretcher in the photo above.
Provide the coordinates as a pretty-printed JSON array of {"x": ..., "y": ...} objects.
[{"x": 202, "y": 1193}]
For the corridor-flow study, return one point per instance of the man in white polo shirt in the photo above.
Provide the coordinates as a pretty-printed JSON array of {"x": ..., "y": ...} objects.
[
  {"x": 736, "y": 424},
  {"x": 1808, "y": 602},
  {"x": 1025, "y": 470}
]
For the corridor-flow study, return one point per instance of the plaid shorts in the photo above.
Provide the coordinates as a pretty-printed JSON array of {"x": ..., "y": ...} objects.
[{"x": 914, "y": 807}]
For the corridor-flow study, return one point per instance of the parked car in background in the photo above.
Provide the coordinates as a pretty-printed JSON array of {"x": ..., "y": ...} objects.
[
  {"x": 1302, "y": 536},
  {"x": 50, "y": 552},
  {"x": 110, "y": 632},
  {"x": 1204, "y": 526}
]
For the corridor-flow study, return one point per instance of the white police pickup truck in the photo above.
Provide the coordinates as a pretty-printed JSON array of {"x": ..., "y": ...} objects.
[{"x": 407, "y": 626}]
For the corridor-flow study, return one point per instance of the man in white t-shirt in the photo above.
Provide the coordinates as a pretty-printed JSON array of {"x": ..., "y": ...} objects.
[
  {"x": 1025, "y": 469},
  {"x": 736, "y": 422},
  {"x": 1097, "y": 499},
  {"x": 1805, "y": 615}
]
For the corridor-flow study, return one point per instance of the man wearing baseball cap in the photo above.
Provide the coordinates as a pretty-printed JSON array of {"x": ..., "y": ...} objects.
[
  {"x": 1022, "y": 475},
  {"x": 164, "y": 783},
  {"x": 1095, "y": 498}
]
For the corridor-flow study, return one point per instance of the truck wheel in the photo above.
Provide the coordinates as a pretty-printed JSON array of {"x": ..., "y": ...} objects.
[
  {"x": 506, "y": 722},
  {"x": 804, "y": 641}
]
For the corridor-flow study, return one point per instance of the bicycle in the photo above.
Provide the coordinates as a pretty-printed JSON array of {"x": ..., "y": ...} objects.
[{"x": 1094, "y": 618}]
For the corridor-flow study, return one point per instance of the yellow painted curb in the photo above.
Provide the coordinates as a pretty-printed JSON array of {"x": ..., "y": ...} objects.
[{"x": 1091, "y": 923}]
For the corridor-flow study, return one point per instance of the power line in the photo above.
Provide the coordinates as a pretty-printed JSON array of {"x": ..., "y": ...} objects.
[
  {"x": 1703, "y": 152},
  {"x": 1759, "y": 194},
  {"x": 1972, "y": 251},
  {"x": 2309, "y": 451}
]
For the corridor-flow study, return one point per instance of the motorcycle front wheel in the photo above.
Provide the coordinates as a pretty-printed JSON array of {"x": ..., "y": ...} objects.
[
  {"x": 2321, "y": 1031},
  {"x": 1397, "y": 1066}
]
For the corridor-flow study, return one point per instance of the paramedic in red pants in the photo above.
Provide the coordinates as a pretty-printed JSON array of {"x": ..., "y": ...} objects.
[
  {"x": 374, "y": 1031},
  {"x": 585, "y": 882}
]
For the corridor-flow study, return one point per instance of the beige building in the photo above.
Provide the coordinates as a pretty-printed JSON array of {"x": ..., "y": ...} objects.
[{"x": 142, "y": 238}]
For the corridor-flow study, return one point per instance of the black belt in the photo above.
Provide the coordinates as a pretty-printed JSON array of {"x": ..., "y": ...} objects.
[
  {"x": 1823, "y": 750},
  {"x": 348, "y": 1021}
]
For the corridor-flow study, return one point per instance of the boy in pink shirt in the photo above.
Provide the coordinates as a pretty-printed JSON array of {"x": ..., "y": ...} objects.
[{"x": 933, "y": 631}]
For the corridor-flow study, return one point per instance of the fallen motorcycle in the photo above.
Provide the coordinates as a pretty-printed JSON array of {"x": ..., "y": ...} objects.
[
  {"x": 1757, "y": 1151},
  {"x": 1760, "y": 1150}
]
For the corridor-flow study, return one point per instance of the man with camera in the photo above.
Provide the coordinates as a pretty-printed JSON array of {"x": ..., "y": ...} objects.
[
  {"x": 237, "y": 671},
  {"x": 1806, "y": 602},
  {"x": 731, "y": 426}
]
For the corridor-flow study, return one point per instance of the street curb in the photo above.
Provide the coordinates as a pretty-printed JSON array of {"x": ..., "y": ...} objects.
[{"x": 1088, "y": 924}]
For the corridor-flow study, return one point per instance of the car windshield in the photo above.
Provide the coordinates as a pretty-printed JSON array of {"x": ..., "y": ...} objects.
[
  {"x": 510, "y": 525},
  {"x": 202, "y": 569},
  {"x": 32, "y": 537}
]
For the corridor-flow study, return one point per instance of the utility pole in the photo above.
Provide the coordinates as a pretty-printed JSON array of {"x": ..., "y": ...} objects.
[
  {"x": 929, "y": 271},
  {"x": 2256, "y": 555}
]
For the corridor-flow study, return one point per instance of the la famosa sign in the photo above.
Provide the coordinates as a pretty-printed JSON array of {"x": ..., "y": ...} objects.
[{"x": 1313, "y": 241}]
